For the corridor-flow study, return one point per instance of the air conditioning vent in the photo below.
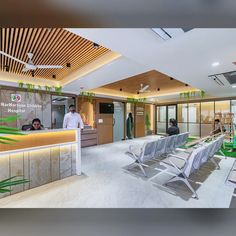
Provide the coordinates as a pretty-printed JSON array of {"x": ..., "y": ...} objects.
[
  {"x": 168, "y": 33},
  {"x": 224, "y": 79},
  {"x": 218, "y": 79},
  {"x": 231, "y": 77}
]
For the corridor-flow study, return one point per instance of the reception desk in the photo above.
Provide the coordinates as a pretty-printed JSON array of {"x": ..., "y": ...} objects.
[{"x": 41, "y": 157}]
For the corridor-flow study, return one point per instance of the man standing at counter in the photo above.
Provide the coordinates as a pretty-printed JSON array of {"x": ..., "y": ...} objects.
[{"x": 72, "y": 119}]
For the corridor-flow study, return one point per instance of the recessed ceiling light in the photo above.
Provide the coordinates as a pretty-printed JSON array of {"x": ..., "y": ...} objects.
[
  {"x": 215, "y": 64},
  {"x": 233, "y": 85}
]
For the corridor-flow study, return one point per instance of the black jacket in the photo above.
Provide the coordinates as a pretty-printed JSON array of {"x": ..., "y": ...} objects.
[{"x": 173, "y": 130}]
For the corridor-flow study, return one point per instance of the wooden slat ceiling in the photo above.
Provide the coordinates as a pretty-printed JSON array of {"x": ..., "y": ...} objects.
[
  {"x": 50, "y": 47},
  {"x": 154, "y": 79}
]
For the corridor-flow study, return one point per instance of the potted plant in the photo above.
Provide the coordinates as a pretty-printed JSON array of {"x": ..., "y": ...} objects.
[{"x": 148, "y": 124}]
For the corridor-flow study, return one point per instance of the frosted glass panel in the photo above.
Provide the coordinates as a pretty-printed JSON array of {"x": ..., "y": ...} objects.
[
  {"x": 194, "y": 112},
  {"x": 182, "y": 113},
  {"x": 207, "y": 112},
  {"x": 194, "y": 130},
  {"x": 222, "y": 106},
  {"x": 162, "y": 114},
  {"x": 205, "y": 129},
  {"x": 183, "y": 127},
  {"x": 161, "y": 127},
  {"x": 233, "y": 109},
  {"x": 171, "y": 112}
]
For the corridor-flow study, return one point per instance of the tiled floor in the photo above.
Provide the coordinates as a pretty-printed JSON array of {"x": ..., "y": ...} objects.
[{"x": 106, "y": 182}]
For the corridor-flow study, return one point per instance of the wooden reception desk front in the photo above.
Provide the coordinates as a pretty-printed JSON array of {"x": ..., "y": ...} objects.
[{"x": 41, "y": 157}]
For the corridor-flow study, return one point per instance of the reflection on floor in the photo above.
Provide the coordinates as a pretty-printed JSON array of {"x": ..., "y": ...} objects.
[{"x": 106, "y": 182}]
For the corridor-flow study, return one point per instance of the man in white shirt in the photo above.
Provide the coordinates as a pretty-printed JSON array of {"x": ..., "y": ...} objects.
[{"x": 73, "y": 120}]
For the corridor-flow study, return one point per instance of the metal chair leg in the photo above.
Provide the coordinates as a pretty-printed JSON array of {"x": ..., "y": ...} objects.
[
  {"x": 130, "y": 165},
  {"x": 191, "y": 188},
  {"x": 142, "y": 169},
  {"x": 215, "y": 163},
  {"x": 222, "y": 154},
  {"x": 184, "y": 179}
]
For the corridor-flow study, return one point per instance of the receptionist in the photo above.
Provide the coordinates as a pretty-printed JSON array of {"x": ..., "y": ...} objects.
[{"x": 36, "y": 125}]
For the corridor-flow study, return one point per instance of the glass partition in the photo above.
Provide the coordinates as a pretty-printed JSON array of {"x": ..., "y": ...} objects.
[
  {"x": 207, "y": 112},
  {"x": 207, "y": 117},
  {"x": 60, "y": 106},
  {"x": 222, "y": 106},
  {"x": 194, "y": 112},
  {"x": 194, "y": 119},
  {"x": 182, "y": 113},
  {"x": 172, "y": 112},
  {"x": 233, "y": 109},
  {"x": 161, "y": 119},
  {"x": 182, "y": 117}
]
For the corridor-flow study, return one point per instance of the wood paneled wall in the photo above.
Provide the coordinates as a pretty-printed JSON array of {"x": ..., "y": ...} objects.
[
  {"x": 105, "y": 129},
  {"x": 139, "y": 121}
]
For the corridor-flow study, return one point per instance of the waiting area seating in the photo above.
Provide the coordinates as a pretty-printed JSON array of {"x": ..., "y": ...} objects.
[
  {"x": 154, "y": 149},
  {"x": 183, "y": 164},
  {"x": 179, "y": 164}
]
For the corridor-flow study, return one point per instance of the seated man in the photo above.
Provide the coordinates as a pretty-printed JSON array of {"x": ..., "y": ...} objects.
[
  {"x": 218, "y": 128},
  {"x": 36, "y": 125},
  {"x": 173, "y": 129}
]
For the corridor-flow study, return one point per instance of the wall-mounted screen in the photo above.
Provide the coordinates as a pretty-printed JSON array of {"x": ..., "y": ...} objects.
[{"x": 106, "y": 108}]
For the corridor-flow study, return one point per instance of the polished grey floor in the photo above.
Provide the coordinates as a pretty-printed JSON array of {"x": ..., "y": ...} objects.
[{"x": 106, "y": 182}]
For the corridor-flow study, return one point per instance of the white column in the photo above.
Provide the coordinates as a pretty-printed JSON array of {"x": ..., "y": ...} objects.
[{"x": 78, "y": 152}]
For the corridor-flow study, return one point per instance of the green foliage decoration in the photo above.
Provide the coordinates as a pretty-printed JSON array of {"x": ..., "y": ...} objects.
[
  {"x": 192, "y": 94},
  {"x": 88, "y": 95},
  {"x": 8, "y": 130},
  {"x": 58, "y": 90},
  {"x": 48, "y": 88},
  {"x": 136, "y": 101},
  {"x": 6, "y": 184},
  {"x": 147, "y": 122}
]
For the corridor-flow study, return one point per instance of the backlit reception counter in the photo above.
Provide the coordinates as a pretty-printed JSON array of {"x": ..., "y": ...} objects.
[{"x": 41, "y": 157}]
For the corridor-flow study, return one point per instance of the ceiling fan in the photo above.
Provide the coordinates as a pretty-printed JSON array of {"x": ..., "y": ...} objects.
[
  {"x": 30, "y": 66},
  {"x": 144, "y": 89}
]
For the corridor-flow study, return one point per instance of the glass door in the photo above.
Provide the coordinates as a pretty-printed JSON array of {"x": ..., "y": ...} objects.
[
  {"x": 161, "y": 119},
  {"x": 118, "y": 121},
  {"x": 164, "y": 114}
]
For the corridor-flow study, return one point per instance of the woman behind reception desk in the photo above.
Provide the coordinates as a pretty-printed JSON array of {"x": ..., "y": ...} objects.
[{"x": 36, "y": 125}]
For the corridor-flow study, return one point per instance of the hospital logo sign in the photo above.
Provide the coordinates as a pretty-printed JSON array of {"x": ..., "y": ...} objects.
[{"x": 15, "y": 97}]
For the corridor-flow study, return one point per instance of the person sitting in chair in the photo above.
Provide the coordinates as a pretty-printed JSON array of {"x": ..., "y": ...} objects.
[
  {"x": 36, "y": 125},
  {"x": 218, "y": 128},
  {"x": 173, "y": 129}
]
